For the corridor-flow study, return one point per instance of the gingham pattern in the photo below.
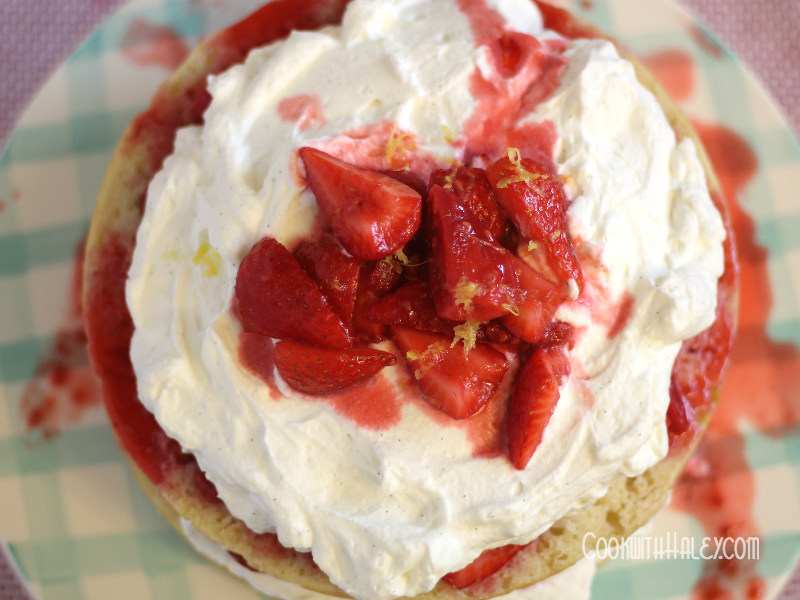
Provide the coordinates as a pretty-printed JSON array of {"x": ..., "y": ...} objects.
[{"x": 70, "y": 511}]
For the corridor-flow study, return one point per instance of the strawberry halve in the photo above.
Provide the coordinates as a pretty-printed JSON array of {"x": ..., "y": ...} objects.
[{"x": 384, "y": 304}]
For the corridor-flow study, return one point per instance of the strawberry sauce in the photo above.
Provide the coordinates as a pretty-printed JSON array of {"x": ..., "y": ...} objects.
[
  {"x": 527, "y": 73},
  {"x": 257, "y": 354},
  {"x": 147, "y": 44},
  {"x": 306, "y": 110},
  {"x": 373, "y": 405},
  {"x": 623, "y": 315},
  {"x": 675, "y": 70},
  {"x": 64, "y": 386}
]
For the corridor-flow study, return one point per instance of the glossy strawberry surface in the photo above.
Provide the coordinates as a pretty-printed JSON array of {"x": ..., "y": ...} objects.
[
  {"x": 277, "y": 298},
  {"x": 372, "y": 214},
  {"x": 334, "y": 272},
  {"x": 533, "y": 401},
  {"x": 315, "y": 370},
  {"x": 473, "y": 278},
  {"x": 533, "y": 197},
  {"x": 456, "y": 381}
]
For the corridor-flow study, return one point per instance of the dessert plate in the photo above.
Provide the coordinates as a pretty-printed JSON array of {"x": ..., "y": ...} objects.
[{"x": 77, "y": 523}]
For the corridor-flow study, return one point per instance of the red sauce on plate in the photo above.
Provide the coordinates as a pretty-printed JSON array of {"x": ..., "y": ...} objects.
[
  {"x": 147, "y": 44},
  {"x": 675, "y": 70},
  {"x": 64, "y": 386}
]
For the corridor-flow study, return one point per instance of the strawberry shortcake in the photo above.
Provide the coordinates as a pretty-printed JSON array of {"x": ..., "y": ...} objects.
[{"x": 403, "y": 298}]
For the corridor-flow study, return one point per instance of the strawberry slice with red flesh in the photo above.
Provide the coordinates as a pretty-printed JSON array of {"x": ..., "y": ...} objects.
[
  {"x": 534, "y": 314},
  {"x": 375, "y": 280},
  {"x": 532, "y": 196},
  {"x": 411, "y": 179},
  {"x": 277, "y": 298},
  {"x": 488, "y": 562},
  {"x": 381, "y": 277},
  {"x": 410, "y": 305},
  {"x": 334, "y": 272},
  {"x": 473, "y": 191},
  {"x": 558, "y": 333},
  {"x": 472, "y": 277},
  {"x": 533, "y": 401},
  {"x": 314, "y": 370},
  {"x": 456, "y": 382},
  {"x": 372, "y": 214}
]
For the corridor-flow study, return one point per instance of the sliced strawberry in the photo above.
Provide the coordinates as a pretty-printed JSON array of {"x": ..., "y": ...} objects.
[
  {"x": 542, "y": 299},
  {"x": 456, "y": 382},
  {"x": 473, "y": 191},
  {"x": 498, "y": 334},
  {"x": 488, "y": 562},
  {"x": 472, "y": 277},
  {"x": 381, "y": 277},
  {"x": 681, "y": 415},
  {"x": 532, "y": 196},
  {"x": 334, "y": 272},
  {"x": 533, "y": 401},
  {"x": 314, "y": 370},
  {"x": 411, "y": 179},
  {"x": 373, "y": 215},
  {"x": 558, "y": 333},
  {"x": 277, "y": 298},
  {"x": 410, "y": 305},
  {"x": 375, "y": 280}
]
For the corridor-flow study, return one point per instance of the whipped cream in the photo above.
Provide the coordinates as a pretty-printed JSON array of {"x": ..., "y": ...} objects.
[{"x": 387, "y": 511}]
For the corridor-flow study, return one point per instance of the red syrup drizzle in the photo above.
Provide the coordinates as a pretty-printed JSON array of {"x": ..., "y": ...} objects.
[
  {"x": 305, "y": 109},
  {"x": 147, "y": 44},
  {"x": 372, "y": 405},
  {"x": 366, "y": 146},
  {"x": 623, "y": 313},
  {"x": 64, "y": 386},
  {"x": 527, "y": 73}
]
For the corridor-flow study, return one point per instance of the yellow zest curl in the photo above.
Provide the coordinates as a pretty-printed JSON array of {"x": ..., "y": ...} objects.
[
  {"x": 520, "y": 174},
  {"x": 426, "y": 359},
  {"x": 209, "y": 259},
  {"x": 467, "y": 332}
]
